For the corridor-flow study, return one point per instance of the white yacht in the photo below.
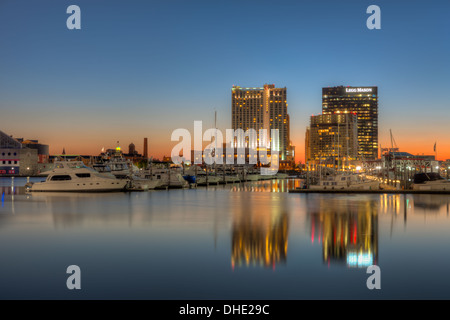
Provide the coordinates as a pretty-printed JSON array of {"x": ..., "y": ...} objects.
[
  {"x": 74, "y": 176},
  {"x": 120, "y": 168},
  {"x": 142, "y": 184},
  {"x": 102, "y": 167},
  {"x": 165, "y": 178},
  {"x": 345, "y": 181}
]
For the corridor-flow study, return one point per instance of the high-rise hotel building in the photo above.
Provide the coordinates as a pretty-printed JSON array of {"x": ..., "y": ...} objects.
[
  {"x": 363, "y": 101},
  {"x": 263, "y": 108}
]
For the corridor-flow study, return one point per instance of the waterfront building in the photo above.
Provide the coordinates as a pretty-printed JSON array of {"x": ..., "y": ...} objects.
[
  {"x": 248, "y": 156},
  {"x": 332, "y": 139},
  {"x": 43, "y": 149},
  {"x": 263, "y": 108},
  {"x": 362, "y": 101},
  {"x": 131, "y": 148},
  {"x": 15, "y": 158},
  {"x": 133, "y": 154}
]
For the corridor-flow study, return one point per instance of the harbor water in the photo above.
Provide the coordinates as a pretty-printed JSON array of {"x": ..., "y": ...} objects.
[{"x": 249, "y": 240}]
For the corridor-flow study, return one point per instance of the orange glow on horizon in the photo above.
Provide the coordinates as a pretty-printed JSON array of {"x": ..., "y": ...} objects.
[{"x": 159, "y": 145}]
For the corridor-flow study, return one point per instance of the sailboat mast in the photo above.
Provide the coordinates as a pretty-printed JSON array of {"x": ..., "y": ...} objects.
[
  {"x": 215, "y": 137},
  {"x": 393, "y": 157},
  {"x": 347, "y": 138},
  {"x": 339, "y": 149}
]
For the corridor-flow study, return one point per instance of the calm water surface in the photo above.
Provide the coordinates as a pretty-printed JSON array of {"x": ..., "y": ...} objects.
[{"x": 242, "y": 241}]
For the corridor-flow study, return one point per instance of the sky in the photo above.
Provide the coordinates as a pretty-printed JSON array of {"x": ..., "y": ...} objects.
[{"x": 140, "y": 69}]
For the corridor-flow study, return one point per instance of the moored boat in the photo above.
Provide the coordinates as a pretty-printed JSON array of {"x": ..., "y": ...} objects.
[
  {"x": 165, "y": 177},
  {"x": 74, "y": 176},
  {"x": 430, "y": 181},
  {"x": 345, "y": 181}
]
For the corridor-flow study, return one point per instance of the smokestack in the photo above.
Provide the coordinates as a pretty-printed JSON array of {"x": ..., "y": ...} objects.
[{"x": 145, "y": 148}]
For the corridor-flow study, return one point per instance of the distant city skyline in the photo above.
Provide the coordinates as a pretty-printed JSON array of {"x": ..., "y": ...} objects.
[{"x": 143, "y": 69}]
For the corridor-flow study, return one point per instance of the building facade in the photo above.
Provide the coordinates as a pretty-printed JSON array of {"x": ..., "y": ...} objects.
[
  {"x": 15, "y": 159},
  {"x": 263, "y": 108},
  {"x": 363, "y": 101},
  {"x": 333, "y": 139},
  {"x": 42, "y": 149}
]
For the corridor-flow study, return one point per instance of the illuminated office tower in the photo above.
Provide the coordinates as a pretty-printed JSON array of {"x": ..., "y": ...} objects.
[
  {"x": 332, "y": 139},
  {"x": 363, "y": 101},
  {"x": 263, "y": 108}
]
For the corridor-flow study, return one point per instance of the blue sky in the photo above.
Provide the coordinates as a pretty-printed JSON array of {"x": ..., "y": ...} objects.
[{"x": 145, "y": 68}]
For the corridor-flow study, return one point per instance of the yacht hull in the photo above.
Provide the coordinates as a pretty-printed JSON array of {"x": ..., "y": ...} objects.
[
  {"x": 432, "y": 186},
  {"x": 201, "y": 180},
  {"x": 356, "y": 186},
  {"x": 94, "y": 186}
]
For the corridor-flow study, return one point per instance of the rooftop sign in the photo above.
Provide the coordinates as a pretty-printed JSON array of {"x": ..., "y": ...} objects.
[{"x": 358, "y": 90}]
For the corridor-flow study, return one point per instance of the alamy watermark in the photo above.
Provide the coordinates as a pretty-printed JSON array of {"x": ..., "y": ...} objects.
[
  {"x": 374, "y": 281},
  {"x": 239, "y": 145},
  {"x": 74, "y": 280},
  {"x": 74, "y": 20},
  {"x": 374, "y": 21}
]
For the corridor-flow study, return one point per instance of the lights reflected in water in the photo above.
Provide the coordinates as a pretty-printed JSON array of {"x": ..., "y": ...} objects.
[
  {"x": 347, "y": 230},
  {"x": 234, "y": 237}
]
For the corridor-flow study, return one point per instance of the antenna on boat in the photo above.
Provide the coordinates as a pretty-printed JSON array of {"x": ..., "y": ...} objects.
[{"x": 215, "y": 140}]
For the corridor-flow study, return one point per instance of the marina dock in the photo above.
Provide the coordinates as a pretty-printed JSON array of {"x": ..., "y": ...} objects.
[{"x": 380, "y": 191}]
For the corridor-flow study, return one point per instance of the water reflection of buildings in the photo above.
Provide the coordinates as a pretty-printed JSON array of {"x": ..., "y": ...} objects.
[
  {"x": 430, "y": 203},
  {"x": 260, "y": 229},
  {"x": 254, "y": 243},
  {"x": 413, "y": 204},
  {"x": 347, "y": 230}
]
